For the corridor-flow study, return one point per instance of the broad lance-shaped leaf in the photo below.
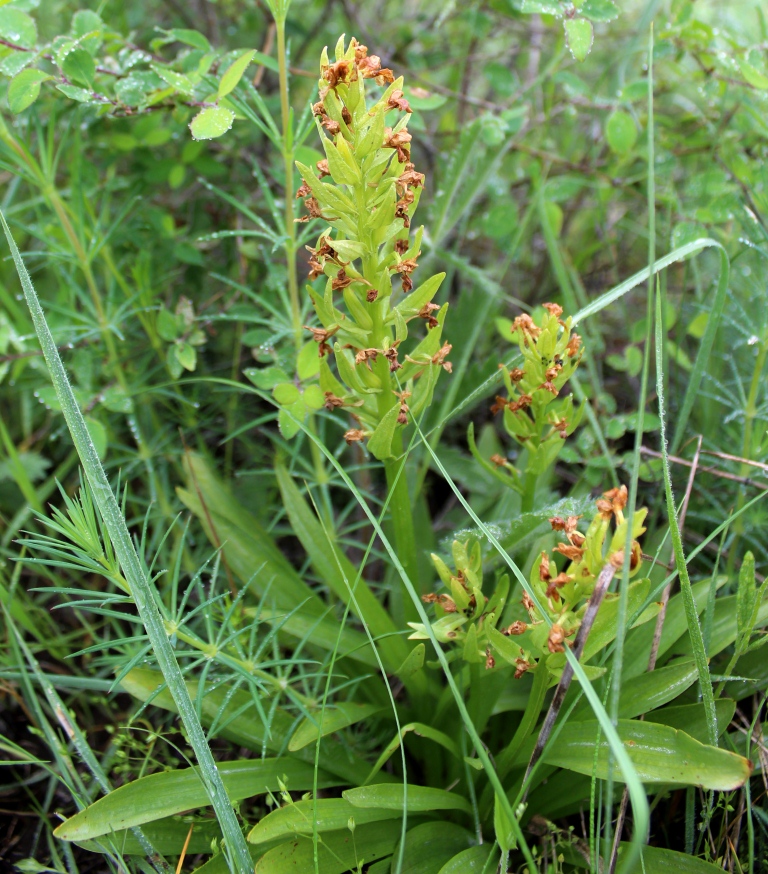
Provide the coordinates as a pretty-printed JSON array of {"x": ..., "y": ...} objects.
[
  {"x": 170, "y": 792},
  {"x": 474, "y": 860},
  {"x": 431, "y": 845},
  {"x": 648, "y": 691},
  {"x": 420, "y": 798},
  {"x": 659, "y": 753},
  {"x": 324, "y": 814},
  {"x": 236, "y": 718},
  {"x": 167, "y": 836},
  {"x": 339, "y": 852},
  {"x": 334, "y": 718}
]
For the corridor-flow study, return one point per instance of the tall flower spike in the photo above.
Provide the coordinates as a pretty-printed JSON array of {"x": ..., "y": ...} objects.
[{"x": 365, "y": 192}]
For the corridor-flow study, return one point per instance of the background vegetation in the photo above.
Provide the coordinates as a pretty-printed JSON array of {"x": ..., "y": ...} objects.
[{"x": 173, "y": 279}]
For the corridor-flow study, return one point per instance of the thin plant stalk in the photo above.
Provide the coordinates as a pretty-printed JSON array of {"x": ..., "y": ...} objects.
[{"x": 133, "y": 569}]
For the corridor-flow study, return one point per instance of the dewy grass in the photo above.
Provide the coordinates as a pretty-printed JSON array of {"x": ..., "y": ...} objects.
[{"x": 140, "y": 586}]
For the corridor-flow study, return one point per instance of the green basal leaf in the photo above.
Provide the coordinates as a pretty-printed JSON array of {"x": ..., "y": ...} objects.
[
  {"x": 170, "y": 792},
  {"x": 325, "y": 814}
]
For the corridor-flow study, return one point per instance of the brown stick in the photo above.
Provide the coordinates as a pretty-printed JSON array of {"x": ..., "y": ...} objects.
[{"x": 601, "y": 587}]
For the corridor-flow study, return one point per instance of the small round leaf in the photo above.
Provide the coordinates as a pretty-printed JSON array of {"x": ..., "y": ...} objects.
[
  {"x": 211, "y": 123},
  {"x": 17, "y": 27},
  {"x": 80, "y": 66},
  {"x": 579, "y": 35}
]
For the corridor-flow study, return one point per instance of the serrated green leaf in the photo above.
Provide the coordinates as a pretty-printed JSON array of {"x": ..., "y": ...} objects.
[
  {"x": 579, "y": 36},
  {"x": 621, "y": 132},
  {"x": 234, "y": 73},
  {"x": 24, "y": 88},
  {"x": 80, "y": 66},
  {"x": 17, "y": 27},
  {"x": 211, "y": 123}
]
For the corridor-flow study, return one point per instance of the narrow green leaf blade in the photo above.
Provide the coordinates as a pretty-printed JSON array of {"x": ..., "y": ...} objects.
[
  {"x": 324, "y": 814},
  {"x": 333, "y": 719}
]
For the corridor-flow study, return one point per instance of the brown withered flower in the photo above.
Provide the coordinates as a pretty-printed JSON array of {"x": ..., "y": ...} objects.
[
  {"x": 354, "y": 435},
  {"x": 333, "y": 127},
  {"x": 553, "y": 308},
  {"x": 521, "y": 666},
  {"x": 405, "y": 268},
  {"x": 527, "y": 602},
  {"x": 613, "y": 503},
  {"x": 402, "y": 246},
  {"x": 562, "y": 579},
  {"x": 303, "y": 191},
  {"x": 439, "y": 358},
  {"x": 548, "y": 386},
  {"x": 556, "y": 639},
  {"x": 321, "y": 336},
  {"x": 490, "y": 661},
  {"x": 498, "y": 460},
  {"x": 315, "y": 268},
  {"x": 571, "y": 552},
  {"x": 391, "y": 356},
  {"x": 409, "y": 178},
  {"x": 322, "y": 168},
  {"x": 499, "y": 404},
  {"x": 517, "y": 627},
  {"x": 332, "y": 401},
  {"x": 341, "y": 280},
  {"x": 551, "y": 372},
  {"x": 544, "y": 574},
  {"x": 426, "y": 313},
  {"x": 529, "y": 329},
  {"x": 397, "y": 101},
  {"x": 340, "y": 72},
  {"x": 398, "y": 141},
  {"x": 521, "y": 403},
  {"x": 366, "y": 356},
  {"x": 574, "y": 344},
  {"x": 516, "y": 374},
  {"x": 371, "y": 295}
]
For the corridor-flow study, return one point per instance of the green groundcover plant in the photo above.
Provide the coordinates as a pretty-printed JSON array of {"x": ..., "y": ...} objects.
[{"x": 407, "y": 642}]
